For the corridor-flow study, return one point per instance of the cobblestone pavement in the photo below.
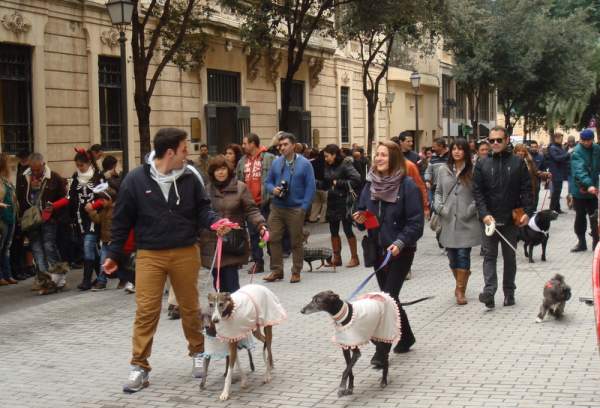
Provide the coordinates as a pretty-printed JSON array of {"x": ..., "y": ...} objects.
[{"x": 72, "y": 349}]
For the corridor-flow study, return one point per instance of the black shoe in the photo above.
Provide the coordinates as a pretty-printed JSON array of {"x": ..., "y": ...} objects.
[
  {"x": 98, "y": 286},
  {"x": 487, "y": 299},
  {"x": 580, "y": 247},
  {"x": 20, "y": 276},
  {"x": 84, "y": 286},
  {"x": 404, "y": 348},
  {"x": 509, "y": 300}
]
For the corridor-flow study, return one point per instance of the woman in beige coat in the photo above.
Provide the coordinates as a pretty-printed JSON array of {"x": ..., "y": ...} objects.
[
  {"x": 455, "y": 205},
  {"x": 231, "y": 199}
]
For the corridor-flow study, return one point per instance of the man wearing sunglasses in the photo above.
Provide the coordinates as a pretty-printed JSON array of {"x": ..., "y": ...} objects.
[{"x": 501, "y": 184}]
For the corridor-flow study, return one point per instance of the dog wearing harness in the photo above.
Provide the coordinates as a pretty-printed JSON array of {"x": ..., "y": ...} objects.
[
  {"x": 536, "y": 232},
  {"x": 239, "y": 314}
]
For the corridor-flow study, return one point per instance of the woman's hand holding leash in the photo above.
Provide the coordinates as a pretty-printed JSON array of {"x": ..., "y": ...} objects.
[{"x": 109, "y": 266}]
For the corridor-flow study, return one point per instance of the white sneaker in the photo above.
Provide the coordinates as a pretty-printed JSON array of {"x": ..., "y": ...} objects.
[
  {"x": 129, "y": 287},
  {"x": 198, "y": 365},
  {"x": 138, "y": 380}
]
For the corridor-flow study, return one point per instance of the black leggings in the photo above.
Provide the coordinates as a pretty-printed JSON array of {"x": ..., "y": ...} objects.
[
  {"x": 390, "y": 280},
  {"x": 334, "y": 227}
]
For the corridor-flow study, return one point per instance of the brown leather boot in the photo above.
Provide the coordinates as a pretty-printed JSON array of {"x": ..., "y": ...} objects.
[
  {"x": 295, "y": 277},
  {"x": 273, "y": 276},
  {"x": 336, "y": 258},
  {"x": 462, "y": 277},
  {"x": 353, "y": 253}
]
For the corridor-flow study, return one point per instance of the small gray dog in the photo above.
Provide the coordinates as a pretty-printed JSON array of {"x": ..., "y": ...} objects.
[{"x": 556, "y": 294}]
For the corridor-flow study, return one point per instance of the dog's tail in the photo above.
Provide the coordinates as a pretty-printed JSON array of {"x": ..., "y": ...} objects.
[{"x": 412, "y": 302}]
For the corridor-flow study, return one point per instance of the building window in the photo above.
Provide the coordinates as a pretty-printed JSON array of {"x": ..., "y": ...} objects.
[
  {"x": 344, "y": 105},
  {"x": 16, "y": 125},
  {"x": 109, "y": 81},
  {"x": 484, "y": 105},
  {"x": 297, "y": 94},
  {"x": 461, "y": 102},
  {"x": 223, "y": 87}
]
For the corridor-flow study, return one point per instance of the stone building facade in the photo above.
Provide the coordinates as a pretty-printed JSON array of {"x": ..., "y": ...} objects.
[{"x": 60, "y": 87}]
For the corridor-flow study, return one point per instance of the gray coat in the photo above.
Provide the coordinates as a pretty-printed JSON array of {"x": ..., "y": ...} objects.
[{"x": 457, "y": 210}]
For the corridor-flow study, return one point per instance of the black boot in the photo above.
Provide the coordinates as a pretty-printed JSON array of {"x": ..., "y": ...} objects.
[
  {"x": 581, "y": 245},
  {"x": 88, "y": 270},
  {"x": 407, "y": 338}
]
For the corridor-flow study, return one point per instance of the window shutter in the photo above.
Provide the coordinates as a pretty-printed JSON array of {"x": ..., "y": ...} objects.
[
  {"x": 305, "y": 127},
  {"x": 243, "y": 122},
  {"x": 211, "y": 128}
]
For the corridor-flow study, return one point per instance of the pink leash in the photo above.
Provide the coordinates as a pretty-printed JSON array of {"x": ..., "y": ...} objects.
[{"x": 223, "y": 222}]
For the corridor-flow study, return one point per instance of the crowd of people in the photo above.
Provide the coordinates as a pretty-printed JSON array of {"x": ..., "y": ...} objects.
[{"x": 165, "y": 209}]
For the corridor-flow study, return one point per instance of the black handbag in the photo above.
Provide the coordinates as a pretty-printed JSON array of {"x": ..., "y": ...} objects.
[
  {"x": 234, "y": 243},
  {"x": 369, "y": 251}
]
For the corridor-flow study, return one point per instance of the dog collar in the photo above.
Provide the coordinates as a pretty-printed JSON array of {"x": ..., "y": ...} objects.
[{"x": 342, "y": 314}]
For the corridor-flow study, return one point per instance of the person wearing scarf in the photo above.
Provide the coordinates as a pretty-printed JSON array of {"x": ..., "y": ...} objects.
[
  {"x": 231, "y": 199},
  {"x": 81, "y": 194},
  {"x": 395, "y": 200}
]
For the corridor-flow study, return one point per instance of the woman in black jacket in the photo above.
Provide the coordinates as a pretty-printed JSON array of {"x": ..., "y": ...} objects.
[
  {"x": 341, "y": 181},
  {"x": 396, "y": 202}
]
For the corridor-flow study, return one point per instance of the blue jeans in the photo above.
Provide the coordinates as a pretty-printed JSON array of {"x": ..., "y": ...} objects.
[
  {"x": 7, "y": 231},
  {"x": 103, "y": 278},
  {"x": 43, "y": 246},
  {"x": 230, "y": 279},
  {"x": 460, "y": 258},
  {"x": 90, "y": 247}
]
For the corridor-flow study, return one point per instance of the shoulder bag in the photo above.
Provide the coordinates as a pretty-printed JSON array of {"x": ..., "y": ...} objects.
[
  {"x": 435, "y": 223},
  {"x": 32, "y": 217}
]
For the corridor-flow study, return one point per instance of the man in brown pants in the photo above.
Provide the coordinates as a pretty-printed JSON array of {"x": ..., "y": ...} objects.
[
  {"x": 291, "y": 180},
  {"x": 164, "y": 202}
]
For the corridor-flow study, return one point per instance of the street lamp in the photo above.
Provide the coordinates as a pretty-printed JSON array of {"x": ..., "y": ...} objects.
[
  {"x": 415, "y": 81},
  {"x": 120, "y": 12}
]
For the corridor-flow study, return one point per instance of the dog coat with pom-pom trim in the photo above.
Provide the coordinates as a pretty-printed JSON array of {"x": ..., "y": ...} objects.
[
  {"x": 216, "y": 349},
  {"x": 375, "y": 316},
  {"x": 254, "y": 306}
]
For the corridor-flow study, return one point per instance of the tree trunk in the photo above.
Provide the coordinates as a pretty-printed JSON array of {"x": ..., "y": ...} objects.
[
  {"x": 371, "y": 108},
  {"x": 507, "y": 123},
  {"x": 286, "y": 98},
  {"x": 142, "y": 107}
]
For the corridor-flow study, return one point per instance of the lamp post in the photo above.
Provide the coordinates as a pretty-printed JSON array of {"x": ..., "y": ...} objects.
[
  {"x": 415, "y": 81},
  {"x": 120, "y": 12}
]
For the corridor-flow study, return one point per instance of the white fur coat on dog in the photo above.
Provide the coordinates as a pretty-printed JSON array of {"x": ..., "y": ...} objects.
[
  {"x": 254, "y": 306},
  {"x": 375, "y": 316}
]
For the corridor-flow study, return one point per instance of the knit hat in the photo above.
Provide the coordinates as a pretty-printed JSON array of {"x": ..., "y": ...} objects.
[{"x": 587, "y": 134}]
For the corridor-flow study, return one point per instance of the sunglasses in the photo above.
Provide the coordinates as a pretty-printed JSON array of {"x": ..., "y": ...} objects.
[{"x": 499, "y": 141}]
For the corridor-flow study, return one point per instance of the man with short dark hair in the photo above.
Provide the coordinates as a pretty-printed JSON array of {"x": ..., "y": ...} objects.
[
  {"x": 252, "y": 169},
  {"x": 406, "y": 142},
  {"x": 165, "y": 204},
  {"x": 203, "y": 162},
  {"x": 291, "y": 180},
  {"x": 97, "y": 152},
  {"x": 501, "y": 185}
]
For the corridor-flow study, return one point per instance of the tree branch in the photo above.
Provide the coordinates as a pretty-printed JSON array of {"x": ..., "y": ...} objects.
[
  {"x": 169, "y": 54},
  {"x": 164, "y": 18}
]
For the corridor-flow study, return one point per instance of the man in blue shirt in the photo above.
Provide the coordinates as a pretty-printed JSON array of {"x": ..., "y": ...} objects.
[{"x": 291, "y": 181}]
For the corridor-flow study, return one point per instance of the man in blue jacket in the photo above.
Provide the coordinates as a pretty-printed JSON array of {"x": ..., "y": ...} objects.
[
  {"x": 558, "y": 165},
  {"x": 291, "y": 181},
  {"x": 583, "y": 186},
  {"x": 164, "y": 203}
]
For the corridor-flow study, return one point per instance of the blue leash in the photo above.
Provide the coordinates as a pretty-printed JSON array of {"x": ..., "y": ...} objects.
[{"x": 362, "y": 285}]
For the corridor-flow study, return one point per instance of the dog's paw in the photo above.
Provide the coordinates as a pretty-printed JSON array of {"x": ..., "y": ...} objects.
[
  {"x": 539, "y": 320},
  {"x": 268, "y": 379},
  {"x": 543, "y": 259},
  {"x": 383, "y": 383},
  {"x": 244, "y": 383},
  {"x": 345, "y": 391},
  {"x": 224, "y": 396}
]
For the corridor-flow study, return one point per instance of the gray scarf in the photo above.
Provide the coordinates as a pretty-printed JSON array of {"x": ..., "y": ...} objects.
[{"x": 385, "y": 188}]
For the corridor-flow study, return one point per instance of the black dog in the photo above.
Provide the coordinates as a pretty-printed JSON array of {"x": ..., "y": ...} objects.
[
  {"x": 330, "y": 302},
  {"x": 538, "y": 235},
  {"x": 556, "y": 293}
]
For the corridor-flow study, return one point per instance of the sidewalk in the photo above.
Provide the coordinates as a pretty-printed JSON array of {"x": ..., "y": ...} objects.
[{"x": 72, "y": 349}]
